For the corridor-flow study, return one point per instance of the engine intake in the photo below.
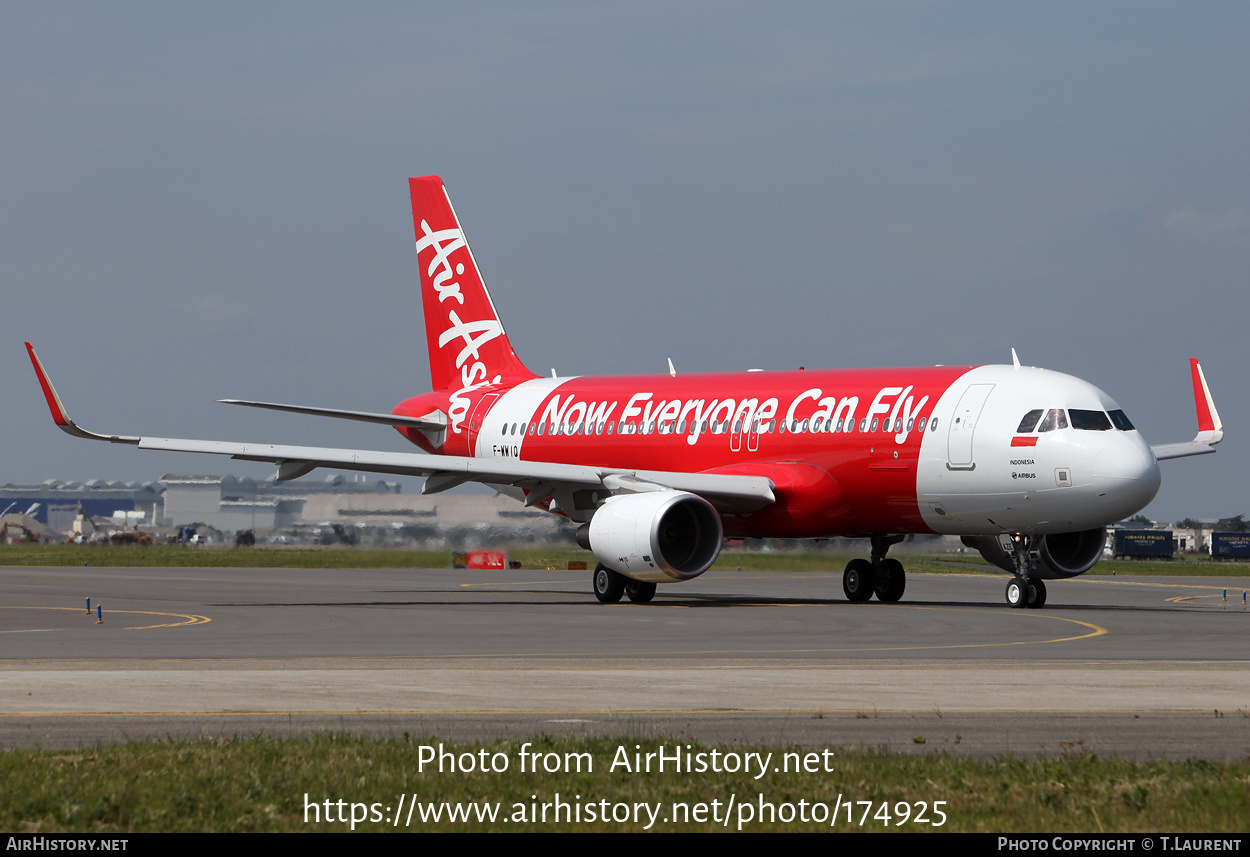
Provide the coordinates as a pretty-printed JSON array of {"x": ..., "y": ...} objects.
[
  {"x": 1059, "y": 555},
  {"x": 658, "y": 537}
]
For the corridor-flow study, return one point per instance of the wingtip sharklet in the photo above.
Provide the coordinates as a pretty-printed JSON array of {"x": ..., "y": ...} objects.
[
  {"x": 59, "y": 415},
  {"x": 1210, "y": 427},
  {"x": 49, "y": 392}
]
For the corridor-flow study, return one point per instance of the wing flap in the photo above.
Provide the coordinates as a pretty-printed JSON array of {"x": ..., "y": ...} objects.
[{"x": 740, "y": 492}]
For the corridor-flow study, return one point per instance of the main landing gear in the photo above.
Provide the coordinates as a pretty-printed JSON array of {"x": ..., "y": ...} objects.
[
  {"x": 611, "y": 585},
  {"x": 1024, "y": 590},
  {"x": 880, "y": 575}
]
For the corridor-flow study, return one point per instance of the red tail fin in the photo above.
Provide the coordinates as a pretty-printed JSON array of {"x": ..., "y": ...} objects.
[{"x": 468, "y": 346}]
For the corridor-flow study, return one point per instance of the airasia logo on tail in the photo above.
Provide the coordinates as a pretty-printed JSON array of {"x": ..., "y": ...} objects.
[{"x": 470, "y": 334}]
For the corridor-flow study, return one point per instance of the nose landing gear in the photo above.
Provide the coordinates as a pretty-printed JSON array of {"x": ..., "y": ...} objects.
[{"x": 1024, "y": 590}]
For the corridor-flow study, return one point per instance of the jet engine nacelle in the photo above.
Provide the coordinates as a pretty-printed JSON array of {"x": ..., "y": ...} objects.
[
  {"x": 1058, "y": 555},
  {"x": 657, "y": 537}
]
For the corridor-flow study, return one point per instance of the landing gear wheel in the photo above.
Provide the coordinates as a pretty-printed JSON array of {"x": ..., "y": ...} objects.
[
  {"x": 857, "y": 580},
  {"x": 890, "y": 581},
  {"x": 1037, "y": 593},
  {"x": 1017, "y": 593},
  {"x": 609, "y": 586},
  {"x": 639, "y": 591}
]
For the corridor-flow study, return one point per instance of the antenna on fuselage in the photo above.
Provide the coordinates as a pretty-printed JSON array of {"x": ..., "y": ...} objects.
[
  {"x": 553, "y": 372},
  {"x": 671, "y": 370},
  {"x": 1015, "y": 361}
]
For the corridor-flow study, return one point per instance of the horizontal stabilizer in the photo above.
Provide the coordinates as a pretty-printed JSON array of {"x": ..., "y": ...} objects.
[{"x": 361, "y": 416}]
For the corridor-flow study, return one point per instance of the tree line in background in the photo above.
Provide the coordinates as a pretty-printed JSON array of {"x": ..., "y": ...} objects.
[{"x": 1235, "y": 524}]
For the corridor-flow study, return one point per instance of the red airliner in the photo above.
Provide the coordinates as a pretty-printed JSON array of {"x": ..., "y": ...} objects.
[{"x": 1028, "y": 466}]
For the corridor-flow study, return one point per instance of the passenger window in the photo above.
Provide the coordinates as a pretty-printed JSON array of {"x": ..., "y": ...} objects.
[
  {"x": 1089, "y": 420},
  {"x": 1121, "y": 421},
  {"x": 1055, "y": 419},
  {"x": 1029, "y": 422}
]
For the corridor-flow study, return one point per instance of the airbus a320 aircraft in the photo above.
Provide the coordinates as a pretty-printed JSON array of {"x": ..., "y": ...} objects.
[{"x": 1028, "y": 466}]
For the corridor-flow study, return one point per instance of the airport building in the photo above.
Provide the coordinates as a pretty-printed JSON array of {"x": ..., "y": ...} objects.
[
  {"x": 56, "y": 504},
  {"x": 230, "y": 503}
]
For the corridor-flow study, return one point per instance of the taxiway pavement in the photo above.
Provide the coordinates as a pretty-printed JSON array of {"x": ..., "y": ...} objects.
[{"x": 1143, "y": 667}]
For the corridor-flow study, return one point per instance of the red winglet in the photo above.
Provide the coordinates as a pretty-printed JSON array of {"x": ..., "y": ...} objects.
[
  {"x": 1202, "y": 397},
  {"x": 59, "y": 415},
  {"x": 54, "y": 401}
]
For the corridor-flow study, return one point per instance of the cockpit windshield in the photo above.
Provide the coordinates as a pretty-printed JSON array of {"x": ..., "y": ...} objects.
[
  {"x": 1055, "y": 419},
  {"x": 1089, "y": 420},
  {"x": 1082, "y": 420},
  {"x": 1029, "y": 422}
]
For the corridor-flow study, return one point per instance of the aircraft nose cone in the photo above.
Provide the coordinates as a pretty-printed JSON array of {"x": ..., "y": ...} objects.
[{"x": 1126, "y": 479}]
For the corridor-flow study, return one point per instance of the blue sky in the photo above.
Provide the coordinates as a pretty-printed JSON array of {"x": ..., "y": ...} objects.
[{"x": 208, "y": 201}]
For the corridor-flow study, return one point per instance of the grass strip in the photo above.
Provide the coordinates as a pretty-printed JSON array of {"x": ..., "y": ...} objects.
[{"x": 266, "y": 784}]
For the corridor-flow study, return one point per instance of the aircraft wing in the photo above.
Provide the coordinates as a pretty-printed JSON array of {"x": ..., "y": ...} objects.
[
  {"x": 1210, "y": 428},
  {"x": 542, "y": 480},
  {"x": 1164, "y": 451}
]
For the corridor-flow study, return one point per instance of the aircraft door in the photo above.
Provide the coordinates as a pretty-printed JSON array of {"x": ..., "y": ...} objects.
[
  {"x": 745, "y": 431},
  {"x": 963, "y": 424}
]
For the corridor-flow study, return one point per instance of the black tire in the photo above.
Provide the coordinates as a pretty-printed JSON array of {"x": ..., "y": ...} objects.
[
  {"x": 857, "y": 581},
  {"x": 640, "y": 592},
  {"x": 1017, "y": 593},
  {"x": 609, "y": 586},
  {"x": 890, "y": 581},
  {"x": 1037, "y": 593}
]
